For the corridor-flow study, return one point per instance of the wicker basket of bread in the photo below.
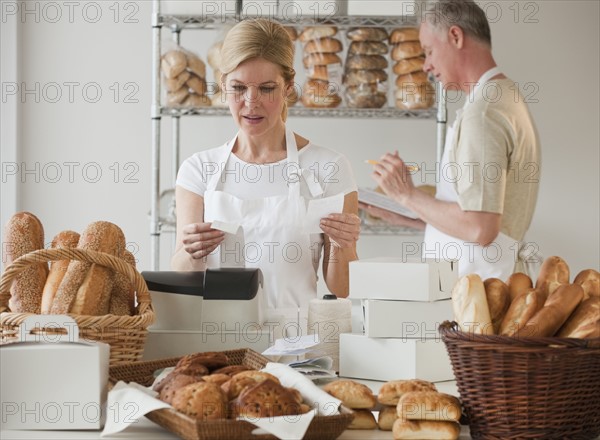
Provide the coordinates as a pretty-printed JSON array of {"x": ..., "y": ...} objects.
[
  {"x": 527, "y": 359},
  {"x": 91, "y": 277}
]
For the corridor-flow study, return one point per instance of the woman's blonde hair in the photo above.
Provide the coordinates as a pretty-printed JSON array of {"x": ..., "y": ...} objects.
[{"x": 259, "y": 38}]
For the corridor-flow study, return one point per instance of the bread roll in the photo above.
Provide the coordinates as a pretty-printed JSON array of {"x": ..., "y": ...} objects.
[
  {"x": 313, "y": 100},
  {"x": 367, "y": 34},
  {"x": 365, "y": 99},
  {"x": 353, "y": 394},
  {"x": 210, "y": 359},
  {"x": 408, "y": 49},
  {"x": 367, "y": 62},
  {"x": 386, "y": 418},
  {"x": 62, "y": 240},
  {"x": 584, "y": 322},
  {"x": 318, "y": 72},
  {"x": 173, "y": 63},
  {"x": 414, "y": 78},
  {"x": 415, "y": 97},
  {"x": 589, "y": 279},
  {"x": 354, "y": 78},
  {"x": 409, "y": 65},
  {"x": 177, "y": 97},
  {"x": 201, "y": 400},
  {"x": 172, "y": 383},
  {"x": 218, "y": 379},
  {"x": 363, "y": 419},
  {"x": 521, "y": 310},
  {"x": 469, "y": 302},
  {"x": 315, "y": 32},
  {"x": 243, "y": 380},
  {"x": 496, "y": 292},
  {"x": 122, "y": 297},
  {"x": 518, "y": 283},
  {"x": 321, "y": 59},
  {"x": 425, "y": 429},
  {"x": 553, "y": 273},
  {"x": 367, "y": 48},
  {"x": 390, "y": 392},
  {"x": 557, "y": 309},
  {"x": 428, "y": 405},
  {"x": 85, "y": 289},
  {"x": 23, "y": 234},
  {"x": 178, "y": 82},
  {"x": 404, "y": 34},
  {"x": 197, "y": 84},
  {"x": 195, "y": 65},
  {"x": 267, "y": 399},
  {"x": 323, "y": 45},
  {"x": 196, "y": 100}
]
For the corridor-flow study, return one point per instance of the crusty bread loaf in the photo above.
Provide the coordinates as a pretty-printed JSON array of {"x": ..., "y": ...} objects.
[
  {"x": 367, "y": 34},
  {"x": 195, "y": 65},
  {"x": 404, "y": 34},
  {"x": 584, "y": 322},
  {"x": 416, "y": 78},
  {"x": 518, "y": 283},
  {"x": 408, "y": 65},
  {"x": 239, "y": 382},
  {"x": 352, "y": 394},
  {"x": 358, "y": 77},
  {"x": 415, "y": 97},
  {"x": 428, "y": 405},
  {"x": 23, "y": 234},
  {"x": 557, "y": 309},
  {"x": 386, "y": 418},
  {"x": 201, "y": 400},
  {"x": 173, "y": 382},
  {"x": 471, "y": 310},
  {"x": 62, "y": 240},
  {"x": 496, "y": 292},
  {"x": 553, "y": 273},
  {"x": 323, "y": 45},
  {"x": 363, "y": 419},
  {"x": 521, "y": 310},
  {"x": 267, "y": 399},
  {"x": 391, "y": 391},
  {"x": 367, "y": 48},
  {"x": 122, "y": 297},
  {"x": 366, "y": 62},
  {"x": 173, "y": 63},
  {"x": 85, "y": 288},
  {"x": 589, "y": 279},
  {"x": 365, "y": 99},
  {"x": 407, "y": 49},
  {"x": 217, "y": 378},
  {"x": 421, "y": 429},
  {"x": 315, "y": 32},
  {"x": 320, "y": 59}
]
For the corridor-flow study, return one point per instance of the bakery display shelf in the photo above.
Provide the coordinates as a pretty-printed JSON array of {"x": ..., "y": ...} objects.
[
  {"x": 299, "y": 111},
  {"x": 215, "y": 21}
]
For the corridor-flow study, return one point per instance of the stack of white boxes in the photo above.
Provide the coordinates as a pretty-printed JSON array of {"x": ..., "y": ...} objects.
[{"x": 402, "y": 303}]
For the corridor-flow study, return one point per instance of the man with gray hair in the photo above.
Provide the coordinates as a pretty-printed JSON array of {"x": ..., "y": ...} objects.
[{"x": 488, "y": 178}]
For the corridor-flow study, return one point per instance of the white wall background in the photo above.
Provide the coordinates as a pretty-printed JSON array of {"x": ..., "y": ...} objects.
[{"x": 76, "y": 143}]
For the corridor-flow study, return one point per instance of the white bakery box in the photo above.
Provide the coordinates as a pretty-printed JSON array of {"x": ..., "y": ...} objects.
[
  {"x": 408, "y": 279},
  {"x": 52, "y": 381}
]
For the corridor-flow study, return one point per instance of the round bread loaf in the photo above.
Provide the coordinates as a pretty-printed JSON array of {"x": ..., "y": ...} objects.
[
  {"x": 172, "y": 384},
  {"x": 589, "y": 280},
  {"x": 320, "y": 59},
  {"x": 366, "y": 62},
  {"x": 367, "y": 48},
  {"x": 201, "y": 400},
  {"x": 367, "y": 34},
  {"x": 58, "y": 269},
  {"x": 518, "y": 283},
  {"x": 316, "y": 32},
  {"x": 85, "y": 289},
  {"x": 24, "y": 233},
  {"x": 245, "y": 379},
  {"x": 323, "y": 45},
  {"x": 407, "y": 49},
  {"x": 414, "y": 78},
  {"x": 415, "y": 98},
  {"x": 178, "y": 82},
  {"x": 553, "y": 273},
  {"x": 354, "y": 78},
  {"x": 498, "y": 299},
  {"x": 267, "y": 399},
  {"x": 173, "y": 63},
  {"x": 409, "y": 65},
  {"x": 404, "y": 34}
]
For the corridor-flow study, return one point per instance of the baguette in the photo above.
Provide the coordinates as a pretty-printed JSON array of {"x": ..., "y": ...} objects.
[
  {"x": 518, "y": 283},
  {"x": 469, "y": 302},
  {"x": 86, "y": 287},
  {"x": 23, "y": 234},
  {"x": 62, "y": 240},
  {"x": 498, "y": 299},
  {"x": 584, "y": 322},
  {"x": 122, "y": 296},
  {"x": 520, "y": 311},
  {"x": 420, "y": 429},
  {"x": 553, "y": 273},
  {"x": 428, "y": 405},
  {"x": 589, "y": 279},
  {"x": 557, "y": 309}
]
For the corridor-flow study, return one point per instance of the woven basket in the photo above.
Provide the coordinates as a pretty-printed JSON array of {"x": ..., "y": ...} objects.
[
  {"x": 526, "y": 388},
  {"x": 125, "y": 334},
  {"x": 188, "y": 428}
]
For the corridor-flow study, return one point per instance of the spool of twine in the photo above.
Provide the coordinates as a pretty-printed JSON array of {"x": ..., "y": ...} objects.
[{"x": 328, "y": 317}]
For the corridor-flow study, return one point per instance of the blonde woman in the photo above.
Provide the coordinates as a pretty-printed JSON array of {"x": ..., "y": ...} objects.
[{"x": 262, "y": 179}]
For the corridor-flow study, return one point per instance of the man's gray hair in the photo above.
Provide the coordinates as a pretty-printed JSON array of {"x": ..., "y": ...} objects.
[{"x": 466, "y": 14}]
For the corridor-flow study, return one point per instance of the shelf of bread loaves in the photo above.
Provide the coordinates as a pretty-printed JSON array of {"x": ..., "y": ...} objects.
[{"x": 555, "y": 305}]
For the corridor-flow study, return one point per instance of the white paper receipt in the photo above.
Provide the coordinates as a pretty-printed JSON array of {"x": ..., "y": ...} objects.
[
  {"x": 320, "y": 208},
  {"x": 230, "y": 228}
]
